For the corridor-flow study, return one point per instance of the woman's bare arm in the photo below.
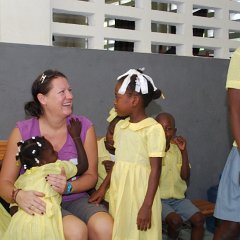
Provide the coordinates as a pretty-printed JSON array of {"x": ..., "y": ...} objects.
[{"x": 10, "y": 170}]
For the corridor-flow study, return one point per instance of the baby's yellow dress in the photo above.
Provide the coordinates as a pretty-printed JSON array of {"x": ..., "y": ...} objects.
[
  {"x": 49, "y": 225},
  {"x": 135, "y": 143},
  {"x": 4, "y": 220}
]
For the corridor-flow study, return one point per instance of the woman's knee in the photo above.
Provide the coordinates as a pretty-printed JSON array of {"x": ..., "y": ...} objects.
[
  {"x": 74, "y": 228},
  {"x": 100, "y": 226}
]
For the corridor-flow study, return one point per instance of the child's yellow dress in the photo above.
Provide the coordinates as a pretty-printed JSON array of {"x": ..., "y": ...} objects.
[
  {"x": 135, "y": 143},
  {"x": 103, "y": 155},
  {"x": 4, "y": 220},
  {"x": 49, "y": 225}
]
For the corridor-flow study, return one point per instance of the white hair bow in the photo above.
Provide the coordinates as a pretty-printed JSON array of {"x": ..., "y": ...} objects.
[{"x": 141, "y": 82}]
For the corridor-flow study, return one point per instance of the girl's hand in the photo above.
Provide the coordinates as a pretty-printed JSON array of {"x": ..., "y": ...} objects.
[
  {"x": 30, "y": 202},
  {"x": 144, "y": 218},
  {"x": 97, "y": 196},
  {"x": 108, "y": 165},
  {"x": 58, "y": 181},
  {"x": 180, "y": 142},
  {"x": 74, "y": 128}
]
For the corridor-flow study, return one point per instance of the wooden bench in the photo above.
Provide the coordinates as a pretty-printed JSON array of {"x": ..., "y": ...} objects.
[
  {"x": 206, "y": 208},
  {"x": 3, "y": 147}
]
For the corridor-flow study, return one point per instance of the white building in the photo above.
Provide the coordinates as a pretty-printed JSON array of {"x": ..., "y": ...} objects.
[{"x": 159, "y": 25}]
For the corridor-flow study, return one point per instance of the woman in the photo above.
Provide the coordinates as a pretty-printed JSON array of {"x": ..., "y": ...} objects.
[{"x": 51, "y": 110}]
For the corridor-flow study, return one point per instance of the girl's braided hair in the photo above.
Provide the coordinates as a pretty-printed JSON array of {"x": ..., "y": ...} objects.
[{"x": 31, "y": 151}]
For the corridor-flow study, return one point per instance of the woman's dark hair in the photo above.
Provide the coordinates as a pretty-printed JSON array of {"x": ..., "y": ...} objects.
[
  {"x": 41, "y": 85},
  {"x": 147, "y": 98},
  {"x": 31, "y": 151}
]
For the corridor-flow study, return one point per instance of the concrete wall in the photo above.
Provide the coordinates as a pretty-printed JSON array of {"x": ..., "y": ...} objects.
[
  {"x": 24, "y": 21},
  {"x": 194, "y": 89}
]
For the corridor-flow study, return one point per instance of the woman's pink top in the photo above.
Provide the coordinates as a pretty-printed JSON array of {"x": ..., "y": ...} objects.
[{"x": 30, "y": 128}]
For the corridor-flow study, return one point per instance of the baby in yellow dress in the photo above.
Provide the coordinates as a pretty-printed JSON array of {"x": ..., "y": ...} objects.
[
  {"x": 39, "y": 159},
  {"x": 4, "y": 220}
]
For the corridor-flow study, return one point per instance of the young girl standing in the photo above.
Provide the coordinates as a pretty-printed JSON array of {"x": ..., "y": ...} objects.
[{"x": 140, "y": 145}]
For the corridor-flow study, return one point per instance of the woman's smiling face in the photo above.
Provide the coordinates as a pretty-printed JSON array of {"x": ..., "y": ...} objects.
[{"x": 59, "y": 99}]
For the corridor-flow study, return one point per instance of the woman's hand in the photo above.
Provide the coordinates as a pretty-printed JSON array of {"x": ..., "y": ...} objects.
[
  {"x": 58, "y": 181},
  {"x": 30, "y": 202}
]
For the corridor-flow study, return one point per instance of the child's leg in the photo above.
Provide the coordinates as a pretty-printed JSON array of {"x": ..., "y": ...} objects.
[
  {"x": 227, "y": 231},
  {"x": 171, "y": 218},
  {"x": 197, "y": 222},
  {"x": 174, "y": 223},
  {"x": 188, "y": 211}
]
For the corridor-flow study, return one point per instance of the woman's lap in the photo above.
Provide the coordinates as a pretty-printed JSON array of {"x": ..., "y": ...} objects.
[{"x": 82, "y": 208}]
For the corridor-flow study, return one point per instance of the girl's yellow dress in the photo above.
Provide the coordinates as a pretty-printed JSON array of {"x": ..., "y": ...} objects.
[
  {"x": 49, "y": 225},
  {"x": 135, "y": 143},
  {"x": 4, "y": 220}
]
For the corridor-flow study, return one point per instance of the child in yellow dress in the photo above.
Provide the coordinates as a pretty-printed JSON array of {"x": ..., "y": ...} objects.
[
  {"x": 39, "y": 159},
  {"x": 106, "y": 159},
  {"x": 140, "y": 145}
]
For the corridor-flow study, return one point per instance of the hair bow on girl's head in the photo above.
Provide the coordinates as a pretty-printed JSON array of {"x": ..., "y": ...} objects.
[{"x": 141, "y": 81}]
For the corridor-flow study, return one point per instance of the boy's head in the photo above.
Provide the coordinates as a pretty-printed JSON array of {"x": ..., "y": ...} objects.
[
  {"x": 109, "y": 143},
  {"x": 36, "y": 151},
  {"x": 168, "y": 123}
]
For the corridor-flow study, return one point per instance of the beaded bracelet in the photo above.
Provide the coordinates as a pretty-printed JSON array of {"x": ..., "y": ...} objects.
[{"x": 15, "y": 193}]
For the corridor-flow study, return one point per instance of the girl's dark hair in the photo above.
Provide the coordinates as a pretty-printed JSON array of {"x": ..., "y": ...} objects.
[
  {"x": 41, "y": 85},
  {"x": 147, "y": 98},
  {"x": 31, "y": 151}
]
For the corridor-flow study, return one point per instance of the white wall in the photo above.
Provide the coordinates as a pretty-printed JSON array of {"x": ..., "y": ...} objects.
[
  {"x": 26, "y": 21},
  {"x": 30, "y": 22}
]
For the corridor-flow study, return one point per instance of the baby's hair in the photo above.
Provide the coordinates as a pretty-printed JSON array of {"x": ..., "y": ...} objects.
[
  {"x": 41, "y": 85},
  {"x": 147, "y": 97},
  {"x": 31, "y": 151}
]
